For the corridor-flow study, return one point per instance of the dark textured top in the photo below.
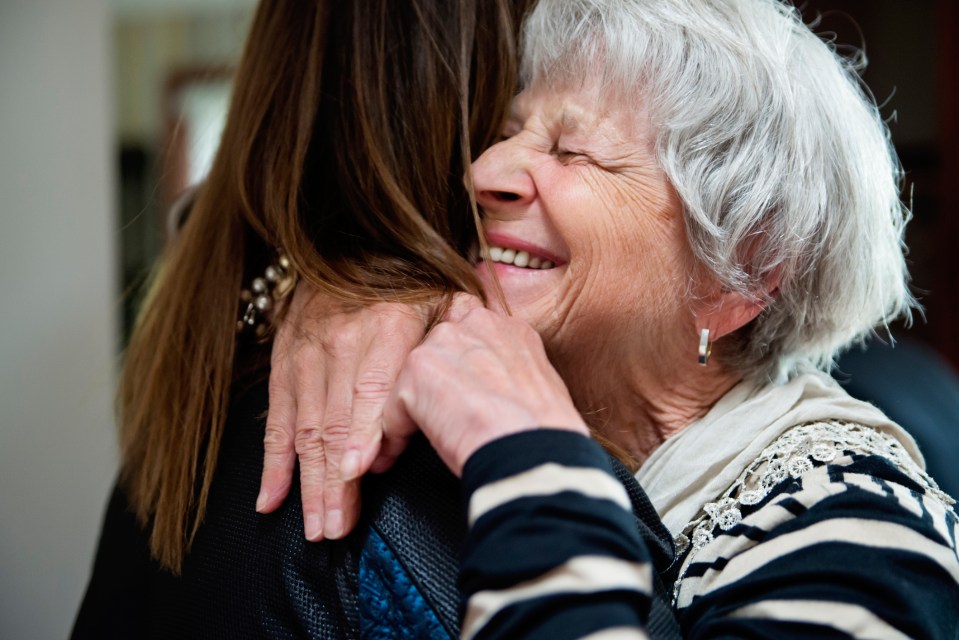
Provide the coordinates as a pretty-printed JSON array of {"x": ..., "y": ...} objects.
[
  {"x": 254, "y": 576},
  {"x": 247, "y": 575}
]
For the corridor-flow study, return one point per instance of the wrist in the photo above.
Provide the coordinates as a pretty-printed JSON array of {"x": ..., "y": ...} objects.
[
  {"x": 481, "y": 438},
  {"x": 520, "y": 451}
]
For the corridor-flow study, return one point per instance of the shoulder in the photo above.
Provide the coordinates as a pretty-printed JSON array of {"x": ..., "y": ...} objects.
[{"x": 831, "y": 513}]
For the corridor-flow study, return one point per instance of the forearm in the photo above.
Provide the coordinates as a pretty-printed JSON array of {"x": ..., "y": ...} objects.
[{"x": 552, "y": 550}]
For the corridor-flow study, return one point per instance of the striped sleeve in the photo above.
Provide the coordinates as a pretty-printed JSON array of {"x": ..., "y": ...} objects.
[
  {"x": 854, "y": 549},
  {"x": 552, "y": 550}
]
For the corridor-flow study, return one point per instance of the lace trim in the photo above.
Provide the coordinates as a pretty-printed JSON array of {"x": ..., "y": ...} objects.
[{"x": 790, "y": 456}]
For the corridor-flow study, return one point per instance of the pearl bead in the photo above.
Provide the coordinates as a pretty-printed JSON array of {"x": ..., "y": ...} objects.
[
  {"x": 263, "y": 303},
  {"x": 271, "y": 274},
  {"x": 259, "y": 285},
  {"x": 285, "y": 262}
]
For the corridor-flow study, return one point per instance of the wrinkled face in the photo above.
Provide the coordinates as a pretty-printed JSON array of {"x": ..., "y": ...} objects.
[{"x": 586, "y": 233}]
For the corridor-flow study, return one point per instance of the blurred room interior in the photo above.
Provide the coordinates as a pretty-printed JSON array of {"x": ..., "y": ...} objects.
[{"x": 172, "y": 89}]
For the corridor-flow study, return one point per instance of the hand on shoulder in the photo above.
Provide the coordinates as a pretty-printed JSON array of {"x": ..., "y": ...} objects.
[{"x": 478, "y": 376}]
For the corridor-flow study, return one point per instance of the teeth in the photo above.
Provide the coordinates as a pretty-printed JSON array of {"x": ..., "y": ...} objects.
[{"x": 518, "y": 258}]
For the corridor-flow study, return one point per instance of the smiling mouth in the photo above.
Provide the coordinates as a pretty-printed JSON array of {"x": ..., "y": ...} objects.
[{"x": 520, "y": 259}]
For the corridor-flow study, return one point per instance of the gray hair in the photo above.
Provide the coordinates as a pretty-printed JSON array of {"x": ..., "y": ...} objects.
[{"x": 778, "y": 153}]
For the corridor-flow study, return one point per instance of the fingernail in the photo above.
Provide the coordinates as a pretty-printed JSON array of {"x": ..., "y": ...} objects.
[
  {"x": 350, "y": 465},
  {"x": 334, "y": 524},
  {"x": 261, "y": 500},
  {"x": 314, "y": 527}
]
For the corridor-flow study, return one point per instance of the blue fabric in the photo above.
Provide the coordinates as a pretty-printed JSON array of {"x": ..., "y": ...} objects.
[{"x": 391, "y": 606}]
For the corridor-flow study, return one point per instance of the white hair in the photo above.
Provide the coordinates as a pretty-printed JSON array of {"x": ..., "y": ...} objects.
[{"x": 780, "y": 157}]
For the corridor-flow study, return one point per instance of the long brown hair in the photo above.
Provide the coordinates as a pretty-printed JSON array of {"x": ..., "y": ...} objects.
[{"x": 350, "y": 130}]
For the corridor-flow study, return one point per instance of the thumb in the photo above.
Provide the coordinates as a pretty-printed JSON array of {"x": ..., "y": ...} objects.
[{"x": 397, "y": 428}]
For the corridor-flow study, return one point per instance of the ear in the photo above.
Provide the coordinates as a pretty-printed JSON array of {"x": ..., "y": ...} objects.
[
  {"x": 727, "y": 312},
  {"x": 724, "y": 312}
]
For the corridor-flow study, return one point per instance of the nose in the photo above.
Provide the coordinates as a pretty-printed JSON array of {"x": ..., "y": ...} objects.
[{"x": 501, "y": 178}]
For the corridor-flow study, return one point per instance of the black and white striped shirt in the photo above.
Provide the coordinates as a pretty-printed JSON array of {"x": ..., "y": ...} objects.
[{"x": 849, "y": 545}]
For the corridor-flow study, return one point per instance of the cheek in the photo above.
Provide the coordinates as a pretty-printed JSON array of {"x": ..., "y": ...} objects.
[{"x": 629, "y": 275}]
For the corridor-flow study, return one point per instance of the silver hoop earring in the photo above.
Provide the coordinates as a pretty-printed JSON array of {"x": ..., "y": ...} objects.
[{"x": 705, "y": 348}]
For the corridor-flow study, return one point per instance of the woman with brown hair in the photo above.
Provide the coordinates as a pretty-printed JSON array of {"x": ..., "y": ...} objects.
[{"x": 351, "y": 128}]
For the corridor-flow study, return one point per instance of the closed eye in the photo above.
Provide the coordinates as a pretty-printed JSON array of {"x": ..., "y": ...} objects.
[{"x": 567, "y": 156}]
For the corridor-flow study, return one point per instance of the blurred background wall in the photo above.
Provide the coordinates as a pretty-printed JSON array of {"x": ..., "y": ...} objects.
[
  {"x": 82, "y": 85},
  {"x": 59, "y": 338},
  {"x": 108, "y": 108}
]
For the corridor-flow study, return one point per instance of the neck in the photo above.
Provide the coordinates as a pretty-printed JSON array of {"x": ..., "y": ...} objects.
[{"x": 637, "y": 417}]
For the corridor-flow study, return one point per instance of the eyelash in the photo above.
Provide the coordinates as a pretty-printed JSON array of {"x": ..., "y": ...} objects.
[{"x": 565, "y": 155}]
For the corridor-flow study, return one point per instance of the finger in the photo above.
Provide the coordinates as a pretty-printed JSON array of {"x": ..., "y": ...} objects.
[
  {"x": 342, "y": 488},
  {"x": 380, "y": 369},
  {"x": 365, "y": 444},
  {"x": 397, "y": 427},
  {"x": 342, "y": 502},
  {"x": 388, "y": 454},
  {"x": 311, "y": 450},
  {"x": 279, "y": 462},
  {"x": 461, "y": 305},
  {"x": 279, "y": 455},
  {"x": 359, "y": 453},
  {"x": 378, "y": 373},
  {"x": 323, "y": 486},
  {"x": 381, "y": 464}
]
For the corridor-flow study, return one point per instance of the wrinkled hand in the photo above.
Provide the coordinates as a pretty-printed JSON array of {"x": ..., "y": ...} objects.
[
  {"x": 333, "y": 366},
  {"x": 478, "y": 376}
]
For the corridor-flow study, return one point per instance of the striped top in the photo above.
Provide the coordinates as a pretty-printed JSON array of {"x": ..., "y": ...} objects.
[
  {"x": 831, "y": 533},
  {"x": 552, "y": 549}
]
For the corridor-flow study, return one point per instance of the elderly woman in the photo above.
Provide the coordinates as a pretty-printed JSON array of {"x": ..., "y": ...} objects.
[{"x": 695, "y": 207}]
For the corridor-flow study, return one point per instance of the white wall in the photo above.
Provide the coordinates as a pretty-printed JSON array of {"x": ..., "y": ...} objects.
[{"x": 58, "y": 306}]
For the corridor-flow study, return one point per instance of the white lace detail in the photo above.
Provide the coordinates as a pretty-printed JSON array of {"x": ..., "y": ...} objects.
[{"x": 792, "y": 455}]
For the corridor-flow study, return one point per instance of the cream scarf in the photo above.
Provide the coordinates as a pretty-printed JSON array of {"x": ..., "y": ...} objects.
[{"x": 699, "y": 463}]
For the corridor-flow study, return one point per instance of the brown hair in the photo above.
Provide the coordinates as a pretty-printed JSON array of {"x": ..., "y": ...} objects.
[{"x": 351, "y": 128}]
